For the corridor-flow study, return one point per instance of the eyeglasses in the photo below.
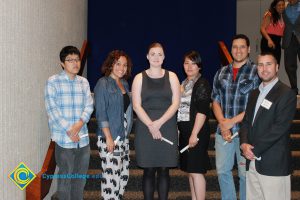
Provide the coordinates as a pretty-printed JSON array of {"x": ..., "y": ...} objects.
[{"x": 73, "y": 60}]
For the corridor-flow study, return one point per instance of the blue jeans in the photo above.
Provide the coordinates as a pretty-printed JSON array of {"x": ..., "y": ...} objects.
[{"x": 224, "y": 162}]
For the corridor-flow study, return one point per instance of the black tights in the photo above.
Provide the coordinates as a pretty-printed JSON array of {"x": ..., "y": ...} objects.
[{"x": 163, "y": 183}]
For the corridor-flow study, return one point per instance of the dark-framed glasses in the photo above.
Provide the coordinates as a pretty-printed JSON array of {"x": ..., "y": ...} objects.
[{"x": 72, "y": 60}]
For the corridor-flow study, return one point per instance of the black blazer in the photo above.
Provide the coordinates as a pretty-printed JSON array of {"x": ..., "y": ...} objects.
[{"x": 270, "y": 132}]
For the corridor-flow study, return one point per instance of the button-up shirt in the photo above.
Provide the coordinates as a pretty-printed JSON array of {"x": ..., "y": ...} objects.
[
  {"x": 292, "y": 12},
  {"x": 232, "y": 95},
  {"x": 264, "y": 91},
  {"x": 68, "y": 101}
]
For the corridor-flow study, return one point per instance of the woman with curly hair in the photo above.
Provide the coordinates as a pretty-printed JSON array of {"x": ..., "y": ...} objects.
[
  {"x": 114, "y": 120},
  {"x": 272, "y": 28}
]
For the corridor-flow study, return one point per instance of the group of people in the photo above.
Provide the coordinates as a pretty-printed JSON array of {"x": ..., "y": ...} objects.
[
  {"x": 254, "y": 111},
  {"x": 156, "y": 98},
  {"x": 248, "y": 100},
  {"x": 283, "y": 22},
  {"x": 253, "y": 108}
]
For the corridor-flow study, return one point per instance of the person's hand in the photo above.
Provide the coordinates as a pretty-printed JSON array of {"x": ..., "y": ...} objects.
[
  {"x": 271, "y": 44},
  {"x": 154, "y": 129},
  {"x": 247, "y": 151},
  {"x": 74, "y": 137},
  {"x": 226, "y": 124},
  {"x": 74, "y": 130},
  {"x": 155, "y": 134},
  {"x": 155, "y": 125},
  {"x": 193, "y": 141},
  {"x": 110, "y": 144},
  {"x": 226, "y": 135}
]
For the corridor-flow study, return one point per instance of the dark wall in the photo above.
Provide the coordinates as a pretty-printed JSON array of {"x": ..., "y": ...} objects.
[{"x": 179, "y": 25}]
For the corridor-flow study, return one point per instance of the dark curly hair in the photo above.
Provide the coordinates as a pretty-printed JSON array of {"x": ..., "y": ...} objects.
[
  {"x": 111, "y": 59},
  {"x": 275, "y": 15}
]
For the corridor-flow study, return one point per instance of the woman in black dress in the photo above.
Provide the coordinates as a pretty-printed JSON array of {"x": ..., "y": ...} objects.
[
  {"x": 155, "y": 97},
  {"x": 193, "y": 124}
]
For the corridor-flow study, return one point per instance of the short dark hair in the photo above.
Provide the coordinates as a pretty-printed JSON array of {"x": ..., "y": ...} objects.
[
  {"x": 268, "y": 53},
  {"x": 68, "y": 50},
  {"x": 195, "y": 57},
  {"x": 241, "y": 36},
  {"x": 112, "y": 58}
]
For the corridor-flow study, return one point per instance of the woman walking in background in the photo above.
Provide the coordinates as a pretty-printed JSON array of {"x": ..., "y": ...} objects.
[
  {"x": 193, "y": 124},
  {"x": 272, "y": 28},
  {"x": 156, "y": 96},
  {"x": 114, "y": 120}
]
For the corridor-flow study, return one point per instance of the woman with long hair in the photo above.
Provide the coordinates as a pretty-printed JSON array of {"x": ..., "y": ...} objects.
[{"x": 272, "y": 28}]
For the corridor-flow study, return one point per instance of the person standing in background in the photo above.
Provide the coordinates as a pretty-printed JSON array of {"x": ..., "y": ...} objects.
[
  {"x": 114, "y": 119},
  {"x": 272, "y": 28},
  {"x": 193, "y": 124},
  {"x": 291, "y": 41},
  {"x": 156, "y": 98}
]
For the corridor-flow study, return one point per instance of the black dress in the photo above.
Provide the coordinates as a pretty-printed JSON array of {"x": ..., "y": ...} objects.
[
  {"x": 196, "y": 160},
  {"x": 156, "y": 97}
]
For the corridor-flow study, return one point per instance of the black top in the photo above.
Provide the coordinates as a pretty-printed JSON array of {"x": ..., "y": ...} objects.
[
  {"x": 126, "y": 101},
  {"x": 196, "y": 159}
]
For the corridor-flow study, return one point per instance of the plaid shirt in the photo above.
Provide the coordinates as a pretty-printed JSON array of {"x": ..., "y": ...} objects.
[
  {"x": 67, "y": 101},
  {"x": 233, "y": 95}
]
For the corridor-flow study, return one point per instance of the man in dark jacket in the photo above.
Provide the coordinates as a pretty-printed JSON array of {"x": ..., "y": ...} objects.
[{"x": 264, "y": 135}]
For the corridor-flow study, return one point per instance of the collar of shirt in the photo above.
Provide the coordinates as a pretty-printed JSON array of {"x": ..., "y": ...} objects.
[
  {"x": 65, "y": 76},
  {"x": 266, "y": 89},
  {"x": 247, "y": 64},
  {"x": 262, "y": 95}
]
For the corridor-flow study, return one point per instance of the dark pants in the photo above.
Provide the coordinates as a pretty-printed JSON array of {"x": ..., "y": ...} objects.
[
  {"x": 71, "y": 161},
  {"x": 276, "y": 51},
  {"x": 290, "y": 62}
]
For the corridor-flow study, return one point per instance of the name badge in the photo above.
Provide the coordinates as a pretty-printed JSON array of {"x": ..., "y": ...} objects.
[{"x": 266, "y": 104}]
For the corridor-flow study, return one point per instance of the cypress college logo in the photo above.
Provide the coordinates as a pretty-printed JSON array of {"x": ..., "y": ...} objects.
[{"x": 22, "y": 176}]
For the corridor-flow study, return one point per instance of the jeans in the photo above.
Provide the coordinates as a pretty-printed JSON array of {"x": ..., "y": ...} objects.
[
  {"x": 71, "y": 161},
  {"x": 224, "y": 162}
]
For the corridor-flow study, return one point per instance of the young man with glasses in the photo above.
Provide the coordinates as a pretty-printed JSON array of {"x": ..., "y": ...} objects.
[{"x": 69, "y": 105}]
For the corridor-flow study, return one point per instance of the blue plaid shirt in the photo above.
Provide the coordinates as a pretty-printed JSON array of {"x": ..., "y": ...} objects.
[
  {"x": 67, "y": 101},
  {"x": 233, "y": 95}
]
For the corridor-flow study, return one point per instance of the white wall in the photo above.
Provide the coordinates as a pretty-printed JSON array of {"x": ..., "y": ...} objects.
[
  {"x": 31, "y": 35},
  {"x": 249, "y": 17}
]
